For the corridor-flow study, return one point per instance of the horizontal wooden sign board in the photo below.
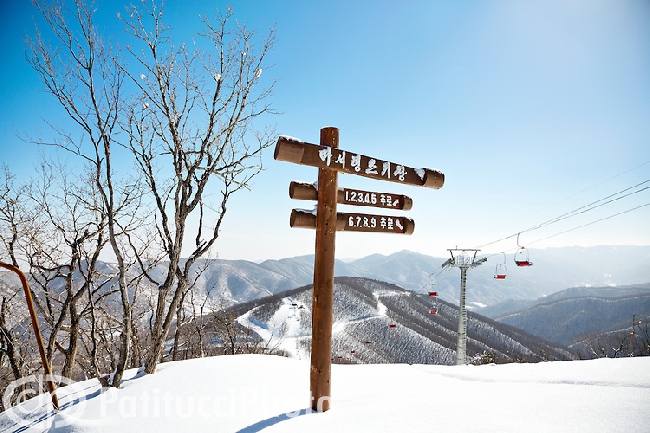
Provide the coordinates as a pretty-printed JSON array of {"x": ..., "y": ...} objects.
[
  {"x": 299, "y": 152},
  {"x": 356, "y": 222},
  {"x": 355, "y": 197}
]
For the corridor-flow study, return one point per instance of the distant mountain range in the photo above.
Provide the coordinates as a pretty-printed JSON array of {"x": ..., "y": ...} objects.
[
  {"x": 569, "y": 316},
  {"x": 377, "y": 322},
  {"x": 553, "y": 270}
]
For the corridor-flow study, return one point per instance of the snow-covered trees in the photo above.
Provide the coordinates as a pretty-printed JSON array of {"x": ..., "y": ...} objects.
[{"x": 151, "y": 131}]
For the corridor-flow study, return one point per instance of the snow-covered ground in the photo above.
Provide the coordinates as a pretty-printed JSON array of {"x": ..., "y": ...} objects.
[{"x": 253, "y": 393}]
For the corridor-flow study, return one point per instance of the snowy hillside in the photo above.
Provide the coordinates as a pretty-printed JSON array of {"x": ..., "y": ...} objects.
[
  {"x": 564, "y": 320},
  {"x": 376, "y": 322},
  {"x": 592, "y": 321},
  {"x": 254, "y": 393}
]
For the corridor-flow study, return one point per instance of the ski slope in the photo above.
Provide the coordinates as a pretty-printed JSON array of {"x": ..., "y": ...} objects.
[
  {"x": 253, "y": 393},
  {"x": 283, "y": 330}
]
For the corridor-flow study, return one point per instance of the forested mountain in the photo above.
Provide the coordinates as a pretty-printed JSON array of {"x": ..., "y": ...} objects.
[
  {"x": 582, "y": 316},
  {"x": 377, "y": 322}
]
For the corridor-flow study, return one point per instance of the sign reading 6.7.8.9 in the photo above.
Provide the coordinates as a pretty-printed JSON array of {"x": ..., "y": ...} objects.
[{"x": 378, "y": 223}]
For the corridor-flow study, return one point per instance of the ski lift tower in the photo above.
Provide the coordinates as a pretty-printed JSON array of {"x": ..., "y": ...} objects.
[{"x": 463, "y": 259}]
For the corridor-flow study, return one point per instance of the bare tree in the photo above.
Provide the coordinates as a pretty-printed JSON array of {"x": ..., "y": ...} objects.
[
  {"x": 56, "y": 253},
  {"x": 80, "y": 73},
  {"x": 191, "y": 126}
]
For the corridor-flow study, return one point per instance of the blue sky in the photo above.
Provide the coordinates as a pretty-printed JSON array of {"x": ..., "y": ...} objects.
[{"x": 531, "y": 109}]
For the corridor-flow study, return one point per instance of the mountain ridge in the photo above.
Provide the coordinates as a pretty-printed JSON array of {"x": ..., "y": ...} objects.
[
  {"x": 569, "y": 316},
  {"x": 554, "y": 269}
]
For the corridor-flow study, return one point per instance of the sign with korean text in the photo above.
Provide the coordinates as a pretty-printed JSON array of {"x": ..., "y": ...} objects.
[{"x": 340, "y": 160}]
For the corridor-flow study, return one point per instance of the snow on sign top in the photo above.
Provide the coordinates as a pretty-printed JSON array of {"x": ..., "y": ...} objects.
[
  {"x": 314, "y": 155},
  {"x": 290, "y": 138}
]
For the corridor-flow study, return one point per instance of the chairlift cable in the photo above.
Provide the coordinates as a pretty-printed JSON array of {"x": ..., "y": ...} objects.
[
  {"x": 574, "y": 195},
  {"x": 574, "y": 228},
  {"x": 592, "y": 205},
  {"x": 580, "y": 210},
  {"x": 591, "y": 223}
]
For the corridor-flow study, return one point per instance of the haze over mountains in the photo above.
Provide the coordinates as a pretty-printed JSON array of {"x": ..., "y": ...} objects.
[
  {"x": 553, "y": 270},
  {"x": 567, "y": 294}
]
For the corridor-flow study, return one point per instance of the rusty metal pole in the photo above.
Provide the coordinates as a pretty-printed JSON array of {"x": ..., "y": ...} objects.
[
  {"x": 323, "y": 299},
  {"x": 51, "y": 387}
]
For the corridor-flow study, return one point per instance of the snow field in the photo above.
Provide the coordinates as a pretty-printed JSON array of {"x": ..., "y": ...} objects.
[{"x": 253, "y": 393}]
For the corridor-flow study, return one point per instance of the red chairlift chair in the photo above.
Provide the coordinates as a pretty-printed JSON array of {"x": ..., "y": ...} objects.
[
  {"x": 522, "y": 258},
  {"x": 434, "y": 309},
  {"x": 500, "y": 272}
]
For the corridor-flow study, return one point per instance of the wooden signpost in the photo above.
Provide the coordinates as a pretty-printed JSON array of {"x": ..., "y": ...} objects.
[{"x": 330, "y": 160}]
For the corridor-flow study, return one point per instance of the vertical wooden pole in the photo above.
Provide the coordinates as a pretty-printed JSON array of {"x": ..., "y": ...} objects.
[
  {"x": 323, "y": 300},
  {"x": 51, "y": 387}
]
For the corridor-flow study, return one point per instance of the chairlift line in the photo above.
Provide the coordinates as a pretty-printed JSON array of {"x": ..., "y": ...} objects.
[
  {"x": 566, "y": 198},
  {"x": 393, "y": 327},
  {"x": 569, "y": 230},
  {"x": 581, "y": 210},
  {"x": 591, "y": 223},
  {"x": 592, "y": 205},
  {"x": 430, "y": 282}
]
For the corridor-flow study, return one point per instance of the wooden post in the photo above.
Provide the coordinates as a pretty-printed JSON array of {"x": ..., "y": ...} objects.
[
  {"x": 51, "y": 387},
  {"x": 323, "y": 298}
]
